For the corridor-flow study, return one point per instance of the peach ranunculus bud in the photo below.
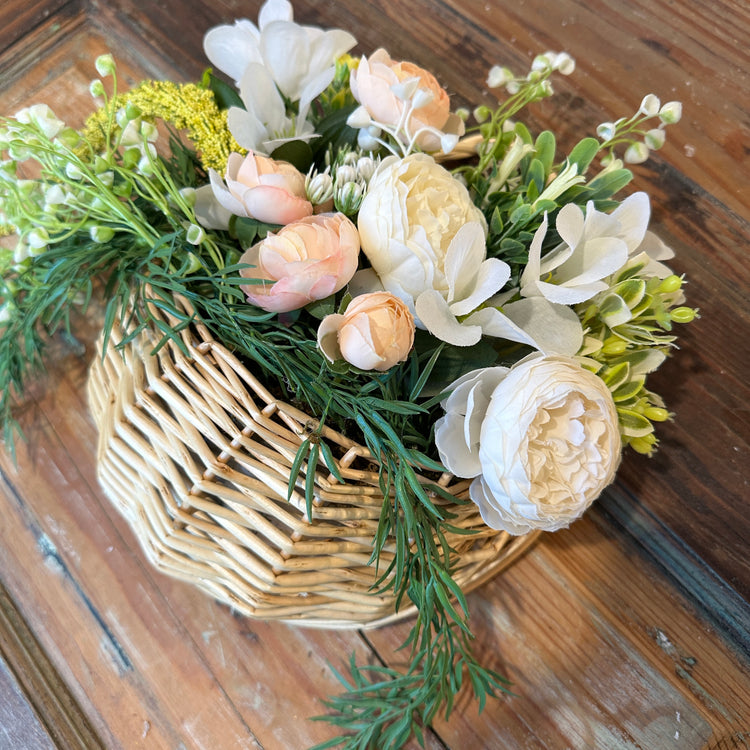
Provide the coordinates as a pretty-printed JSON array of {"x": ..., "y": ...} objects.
[
  {"x": 304, "y": 261},
  {"x": 375, "y": 332},
  {"x": 385, "y": 87},
  {"x": 262, "y": 188}
]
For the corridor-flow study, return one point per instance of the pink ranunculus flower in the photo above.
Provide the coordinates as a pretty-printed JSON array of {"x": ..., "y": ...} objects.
[
  {"x": 306, "y": 260},
  {"x": 262, "y": 188},
  {"x": 372, "y": 84},
  {"x": 375, "y": 332}
]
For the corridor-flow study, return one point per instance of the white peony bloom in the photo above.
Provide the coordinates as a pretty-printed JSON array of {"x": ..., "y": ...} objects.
[
  {"x": 412, "y": 211},
  {"x": 594, "y": 246},
  {"x": 540, "y": 439}
]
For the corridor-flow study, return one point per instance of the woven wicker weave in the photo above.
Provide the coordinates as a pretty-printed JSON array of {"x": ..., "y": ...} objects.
[{"x": 196, "y": 454}]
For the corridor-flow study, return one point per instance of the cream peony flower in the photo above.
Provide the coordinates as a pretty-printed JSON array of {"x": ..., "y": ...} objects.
[
  {"x": 541, "y": 440},
  {"x": 412, "y": 211},
  {"x": 425, "y": 240},
  {"x": 375, "y": 332},
  {"x": 305, "y": 261},
  {"x": 262, "y": 188}
]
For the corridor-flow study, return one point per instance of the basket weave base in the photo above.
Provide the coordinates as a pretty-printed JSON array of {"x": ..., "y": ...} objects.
[{"x": 196, "y": 454}]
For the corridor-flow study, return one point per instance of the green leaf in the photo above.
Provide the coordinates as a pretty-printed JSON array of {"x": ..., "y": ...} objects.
[
  {"x": 249, "y": 231},
  {"x": 294, "y": 470},
  {"x": 535, "y": 176},
  {"x": 297, "y": 153},
  {"x": 608, "y": 184},
  {"x": 322, "y": 307},
  {"x": 545, "y": 150},
  {"x": 583, "y": 153},
  {"x": 634, "y": 424},
  {"x": 226, "y": 96}
]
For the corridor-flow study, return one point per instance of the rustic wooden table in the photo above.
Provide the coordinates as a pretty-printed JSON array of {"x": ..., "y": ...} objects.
[{"x": 630, "y": 630}]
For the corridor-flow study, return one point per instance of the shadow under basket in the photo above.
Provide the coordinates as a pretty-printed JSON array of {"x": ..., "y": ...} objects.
[{"x": 196, "y": 454}]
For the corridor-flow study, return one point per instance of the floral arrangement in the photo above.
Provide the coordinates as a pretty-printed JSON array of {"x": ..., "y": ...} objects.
[{"x": 443, "y": 285}]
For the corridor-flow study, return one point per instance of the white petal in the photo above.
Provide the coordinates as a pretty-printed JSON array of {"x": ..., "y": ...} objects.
[
  {"x": 463, "y": 257},
  {"x": 454, "y": 452},
  {"x": 209, "y": 212},
  {"x": 494, "y": 323},
  {"x": 326, "y": 47},
  {"x": 232, "y": 48},
  {"x": 555, "y": 329},
  {"x": 223, "y": 196},
  {"x": 570, "y": 223},
  {"x": 261, "y": 98},
  {"x": 275, "y": 10},
  {"x": 633, "y": 215},
  {"x": 492, "y": 277},
  {"x": 533, "y": 267},
  {"x": 328, "y": 336},
  {"x": 313, "y": 87},
  {"x": 562, "y": 294},
  {"x": 437, "y": 318}
]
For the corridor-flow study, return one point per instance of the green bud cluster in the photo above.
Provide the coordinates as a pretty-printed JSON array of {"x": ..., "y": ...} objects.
[{"x": 628, "y": 335}]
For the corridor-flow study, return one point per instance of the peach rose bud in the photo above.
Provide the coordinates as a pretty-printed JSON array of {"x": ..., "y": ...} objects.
[
  {"x": 375, "y": 332},
  {"x": 384, "y": 87},
  {"x": 304, "y": 261},
  {"x": 261, "y": 188}
]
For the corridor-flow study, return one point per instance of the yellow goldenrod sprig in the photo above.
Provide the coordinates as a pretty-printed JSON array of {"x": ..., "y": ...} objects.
[{"x": 186, "y": 106}]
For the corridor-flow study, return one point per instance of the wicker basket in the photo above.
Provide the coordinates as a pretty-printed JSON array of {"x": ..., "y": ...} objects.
[{"x": 196, "y": 454}]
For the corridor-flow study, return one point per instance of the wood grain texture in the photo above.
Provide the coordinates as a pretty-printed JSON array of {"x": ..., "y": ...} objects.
[{"x": 627, "y": 631}]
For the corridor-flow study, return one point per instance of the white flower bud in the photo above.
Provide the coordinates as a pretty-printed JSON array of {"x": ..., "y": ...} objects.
[
  {"x": 606, "y": 131},
  {"x": 96, "y": 88},
  {"x": 671, "y": 113},
  {"x": 73, "y": 171},
  {"x": 195, "y": 234},
  {"x": 650, "y": 105},
  {"x": 481, "y": 113},
  {"x": 107, "y": 178},
  {"x": 564, "y": 63},
  {"x": 405, "y": 89},
  {"x": 366, "y": 166},
  {"x": 655, "y": 138},
  {"x": 37, "y": 239},
  {"x": 636, "y": 153},
  {"x": 346, "y": 173},
  {"x": 54, "y": 195},
  {"x": 360, "y": 118},
  {"x": 149, "y": 131},
  {"x": 513, "y": 87},
  {"x": 101, "y": 234},
  {"x": 348, "y": 198},
  {"x": 448, "y": 142},
  {"x": 498, "y": 76},
  {"x": 319, "y": 188},
  {"x": 422, "y": 98},
  {"x": 367, "y": 139},
  {"x": 543, "y": 62},
  {"x": 105, "y": 65}
]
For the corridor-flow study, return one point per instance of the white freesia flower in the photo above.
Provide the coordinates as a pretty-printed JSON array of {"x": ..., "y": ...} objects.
[
  {"x": 540, "y": 439},
  {"x": 277, "y": 59},
  {"x": 593, "y": 247}
]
